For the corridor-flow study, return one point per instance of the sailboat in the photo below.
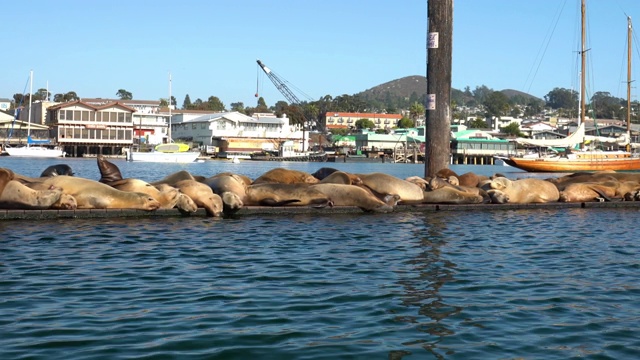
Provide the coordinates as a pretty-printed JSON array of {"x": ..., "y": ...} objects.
[
  {"x": 168, "y": 153},
  {"x": 582, "y": 159},
  {"x": 32, "y": 149}
]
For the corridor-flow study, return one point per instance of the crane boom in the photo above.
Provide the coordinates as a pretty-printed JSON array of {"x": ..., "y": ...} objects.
[{"x": 280, "y": 85}]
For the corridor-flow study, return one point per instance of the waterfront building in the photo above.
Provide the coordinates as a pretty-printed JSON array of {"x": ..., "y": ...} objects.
[
  {"x": 347, "y": 120},
  {"x": 235, "y": 133},
  {"x": 475, "y": 146},
  {"x": 85, "y": 129}
]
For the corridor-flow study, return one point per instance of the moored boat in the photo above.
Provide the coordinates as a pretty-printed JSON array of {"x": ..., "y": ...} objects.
[{"x": 583, "y": 158}]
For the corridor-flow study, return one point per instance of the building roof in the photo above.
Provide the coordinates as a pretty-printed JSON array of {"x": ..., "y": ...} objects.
[
  {"x": 363, "y": 115},
  {"x": 92, "y": 106}
]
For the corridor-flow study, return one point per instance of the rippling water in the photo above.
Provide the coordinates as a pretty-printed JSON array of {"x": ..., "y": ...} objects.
[{"x": 531, "y": 284}]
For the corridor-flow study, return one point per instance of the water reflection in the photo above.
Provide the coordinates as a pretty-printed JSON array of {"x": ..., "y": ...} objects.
[{"x": 427, "y": 272}]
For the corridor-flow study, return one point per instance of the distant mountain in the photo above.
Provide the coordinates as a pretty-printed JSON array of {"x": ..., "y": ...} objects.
[
  {"x": 402, "y": 92},
  {"x": 403, "y": 88}
]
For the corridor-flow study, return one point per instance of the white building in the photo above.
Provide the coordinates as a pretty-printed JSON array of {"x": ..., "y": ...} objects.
[{"x": 236, "y": 132}]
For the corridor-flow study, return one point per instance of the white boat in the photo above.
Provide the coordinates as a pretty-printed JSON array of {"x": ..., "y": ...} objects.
[
  {"x": 31, "y": 149},
  {"x": 166, "y": 153}
]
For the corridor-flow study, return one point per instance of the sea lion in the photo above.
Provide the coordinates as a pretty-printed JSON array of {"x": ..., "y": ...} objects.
[
  {"x": 522, "y": 191},
  {"x": 470, "y": 179},
  {"x": 341, "y": 177},
  {"x": 92, "y": 194},
  {"x": 450, "y": 195},
  {"x": 421, "y": 182},
  {"x": 351, "y": 195},
  {"x": 285, "y": 176},
  {"x": 277, "y": 194},
  {"x": 166, "y": 195},
  {"x": 16, "y": 195},
  {"x": 383, "y": 184},
  {"x": 55, "y": 170},
  {"x": 323, "y": 172},
  {"x": 202, "y": 196},
  {"x": 590, "y": 191},
  {"x": 171, "y": 179},
  {"x": 232, "y": 188},
  {"x": 109, "y": 172},
  {"x": 6, "y": 175},
  {"x": 445, "y": 173}
]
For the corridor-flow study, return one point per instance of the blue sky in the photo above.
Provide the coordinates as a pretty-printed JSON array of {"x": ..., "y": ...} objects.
[{"x": 332, "y": 47}]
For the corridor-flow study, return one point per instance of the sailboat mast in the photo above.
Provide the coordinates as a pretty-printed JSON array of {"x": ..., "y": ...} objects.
[
  {"x": 169, "y": 129},
  {"x": 629, "y": 28},
  {"x": 584, "y": 63},
  {"x": 30, "y": 100}
]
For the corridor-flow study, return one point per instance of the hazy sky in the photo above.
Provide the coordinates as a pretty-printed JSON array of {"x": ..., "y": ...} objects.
[{"x": 330, "y": 47}]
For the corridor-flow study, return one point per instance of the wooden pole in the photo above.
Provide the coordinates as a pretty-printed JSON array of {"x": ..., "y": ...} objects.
[{"x": 438, "y": 109}]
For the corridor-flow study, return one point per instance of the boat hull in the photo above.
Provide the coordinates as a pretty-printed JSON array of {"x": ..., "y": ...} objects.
[
  {"x": 574, "y": 165},
  {"x": 34, "y": 151},
  {"x": 157, "y": 156}
]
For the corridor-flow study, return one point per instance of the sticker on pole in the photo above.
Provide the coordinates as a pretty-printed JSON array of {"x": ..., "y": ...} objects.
[
  {"x": 431, "y": 101},
  {"x": 432, "y": 43}
]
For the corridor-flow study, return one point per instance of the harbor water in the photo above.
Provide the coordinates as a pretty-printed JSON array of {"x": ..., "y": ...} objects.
[{"x": 481, "y": 284}]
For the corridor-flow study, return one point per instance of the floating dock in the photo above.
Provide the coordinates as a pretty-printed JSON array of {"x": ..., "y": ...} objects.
[{"x": 292, "y": 210}]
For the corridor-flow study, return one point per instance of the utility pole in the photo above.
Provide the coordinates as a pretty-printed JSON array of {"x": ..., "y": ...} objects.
[{"x": 438, "y": 109}]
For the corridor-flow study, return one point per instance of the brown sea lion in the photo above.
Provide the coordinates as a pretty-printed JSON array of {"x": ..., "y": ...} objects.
[
  {"x": 323, "y": 172},
  {"x": 276, "y": 194},
  {"x": 202, "y": 196},
  {"x": 171, "y": 179},
  {"x": 6, "y": 175},
  {"x": 589, "y": 191},
  {"x": 92, "y": 194},
  {"x": 383, "y": 184},
  {"x": 445, "y": 173},
  {"x": 165, "y": 194},
  {"x": 232, "y": 188},
  {"x": 522, "y": 191},
  {"x": 351, "y": 195},
  {"x": 16, "y": 195},
  {"x": 450, "y": 195},
  {"x": 109, "y": 172},
  {"x": 422, "y": 182},
  {"x": 285, "y": 176},
  {"x": 341, "y": 177}
]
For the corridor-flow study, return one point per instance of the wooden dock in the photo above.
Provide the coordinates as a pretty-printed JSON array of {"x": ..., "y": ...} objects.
[{"x": 251, "y": 211}]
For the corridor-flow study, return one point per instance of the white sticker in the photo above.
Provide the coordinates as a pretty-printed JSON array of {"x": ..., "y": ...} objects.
[
  {"x": 432, "y": 43},
  {"x": 431, "y": 101}
]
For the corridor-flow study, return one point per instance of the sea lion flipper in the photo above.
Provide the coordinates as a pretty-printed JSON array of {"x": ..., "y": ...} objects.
[{"x": 273, "y": 202}]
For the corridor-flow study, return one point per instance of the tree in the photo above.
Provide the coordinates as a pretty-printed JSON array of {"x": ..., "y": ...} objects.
[
  {"x": 481, "y": 93},
  {"x": 238, "y": 106},
  {"x": 512, "y": 129},
  {"x": 42, "y": 94},
  {"x": 606, "y": 106},
  {"x": 262, "y": 106},
  {"x": 496, "y": 104},
  {"x": 124, "y": 94},
  {"x": 405, "y": 123},
  {"x": 560, "y": 98},
  {"x": 364, "y": 124},
  {"x": 214, "y": 103},
  {"x": 478, "y": 123},
  {"x": 416, "y": 110},
  {"x": 69, "y": 96},
  {"x": 186, "y": 104},
  {"x": 163, "y": 102}
]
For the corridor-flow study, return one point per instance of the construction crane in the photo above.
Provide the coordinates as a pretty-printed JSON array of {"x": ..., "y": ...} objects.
[
  {"x": 280, "y": 84},
  {"x": 289, "y": 95}
]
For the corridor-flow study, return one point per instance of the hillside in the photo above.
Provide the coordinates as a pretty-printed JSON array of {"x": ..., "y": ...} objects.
[{"x": 404, "y": 91}]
